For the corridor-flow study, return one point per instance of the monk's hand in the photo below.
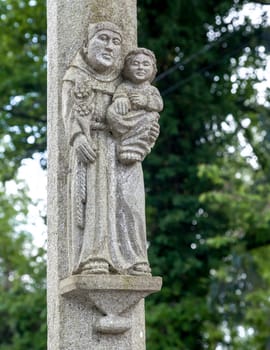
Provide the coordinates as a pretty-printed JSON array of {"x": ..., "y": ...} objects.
[
  {"x": 154, "y": 131},
  {"x": 86, "y": 152},
  {"x": 122, "y": 105},
  {"x": 138, "y": 100}
]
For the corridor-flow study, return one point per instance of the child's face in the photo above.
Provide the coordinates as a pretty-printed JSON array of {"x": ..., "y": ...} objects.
[{"x": 140, "y": 69}]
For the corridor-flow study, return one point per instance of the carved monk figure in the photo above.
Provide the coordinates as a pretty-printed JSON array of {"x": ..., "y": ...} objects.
[
  {"x": 135, "y": 106},
  {"x": 106, "y": 209}
]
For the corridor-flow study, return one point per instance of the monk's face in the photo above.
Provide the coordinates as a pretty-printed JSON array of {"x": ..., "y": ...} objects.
[{"x": 104, "y": 50}]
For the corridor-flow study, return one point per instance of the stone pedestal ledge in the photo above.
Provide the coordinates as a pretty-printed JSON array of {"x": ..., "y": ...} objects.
[{"x": 112, "y": 295}]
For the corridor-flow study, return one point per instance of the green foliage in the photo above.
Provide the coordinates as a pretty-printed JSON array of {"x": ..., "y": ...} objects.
[
  {"x": 207, "y": 201},
  {"x": 22, "y": 132},
  {"x": 23, "y": 80},
  {"x": 22, "y": 279}
]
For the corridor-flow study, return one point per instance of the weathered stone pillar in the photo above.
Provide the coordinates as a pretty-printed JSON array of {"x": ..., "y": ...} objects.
[{"x": 85, "y": 311}]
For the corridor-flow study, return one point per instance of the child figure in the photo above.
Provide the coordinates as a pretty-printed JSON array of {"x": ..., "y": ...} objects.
[{"x": 135, "y": 107}]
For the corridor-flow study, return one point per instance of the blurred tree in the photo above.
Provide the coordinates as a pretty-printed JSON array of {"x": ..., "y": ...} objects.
[
  {"x": 208, "y": 178},
  {"x": 23, "y": 80},
  {"x": 22, "y": 132},
  {"x": 22, "y": 278}
]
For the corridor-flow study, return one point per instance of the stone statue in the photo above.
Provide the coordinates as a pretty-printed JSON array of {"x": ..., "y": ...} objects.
[
  {"x": 135, "y": 107},
  {"x": 110, "y": 127}
]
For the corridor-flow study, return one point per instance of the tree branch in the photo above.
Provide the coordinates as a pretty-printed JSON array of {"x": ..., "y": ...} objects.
[{"x": 262, "y": 2}]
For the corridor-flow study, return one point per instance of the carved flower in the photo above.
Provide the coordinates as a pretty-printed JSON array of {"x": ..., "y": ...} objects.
[
  {"x": 82, "y": 110},
  {"x": 81, "y": 91}
]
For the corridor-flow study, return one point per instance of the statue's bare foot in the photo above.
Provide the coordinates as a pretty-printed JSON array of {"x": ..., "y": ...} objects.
[
  {"x": 95, "y": 267},
  {"x": 140, "y": 269},
  {"x": 128, "y": 158}
]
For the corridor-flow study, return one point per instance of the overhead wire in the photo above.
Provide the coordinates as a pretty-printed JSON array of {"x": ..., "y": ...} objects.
[
  {"x": 203, "y": 50},
  {"x": 201, "y": 70}
]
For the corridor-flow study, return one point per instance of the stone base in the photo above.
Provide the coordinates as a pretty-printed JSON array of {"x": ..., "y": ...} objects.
[{"x": 109, "y": 311}]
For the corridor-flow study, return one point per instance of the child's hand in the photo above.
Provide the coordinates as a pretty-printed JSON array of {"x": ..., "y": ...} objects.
[
  {"x": 138, "y": 100},
  {"x": 122, "y": 105}
]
